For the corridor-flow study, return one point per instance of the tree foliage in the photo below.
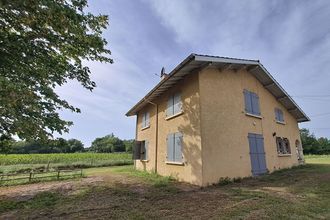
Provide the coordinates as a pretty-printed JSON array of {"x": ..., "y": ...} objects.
[
  {"x": 58, "y": 145},
  {"x": 313, "y": 145},
  {"x": 43, "y": 44},
  {"x": 107, "y": 144}
]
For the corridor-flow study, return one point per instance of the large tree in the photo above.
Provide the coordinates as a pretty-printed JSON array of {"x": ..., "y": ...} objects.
[{"x": 42, "y": 46}]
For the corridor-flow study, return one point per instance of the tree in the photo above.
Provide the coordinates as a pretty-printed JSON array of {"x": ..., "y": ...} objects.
[
  {"x": 75, "y": 145},
  {"x": 107, "y": 144},
  {"x": 6, "y": 143},
  {"x": 43, "y": 44},
  {"x": 309, "y": 141},
  {"x": 128, "y": 145}
]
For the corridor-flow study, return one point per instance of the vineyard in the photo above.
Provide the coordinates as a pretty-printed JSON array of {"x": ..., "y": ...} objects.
[{"x": 21, "y": 162}]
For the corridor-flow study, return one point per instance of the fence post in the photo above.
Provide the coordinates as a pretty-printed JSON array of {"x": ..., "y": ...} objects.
[
  {"x": 58, "y": 174},
  {"x": 30, "y": 177}
]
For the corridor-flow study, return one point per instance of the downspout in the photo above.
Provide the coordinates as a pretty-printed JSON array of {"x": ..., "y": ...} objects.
[
  {"x": 156, "y": 140},
  {"x": 136, "y": 136}
]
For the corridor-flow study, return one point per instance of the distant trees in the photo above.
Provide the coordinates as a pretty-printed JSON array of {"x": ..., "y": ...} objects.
[
  {"x": 58, "y": 145},
  {"x": 313, "y": 145},
  {"x": 108, "y": 144}
]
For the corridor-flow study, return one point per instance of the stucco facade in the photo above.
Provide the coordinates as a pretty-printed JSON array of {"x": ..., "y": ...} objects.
[{"x": 215, "y": 127}]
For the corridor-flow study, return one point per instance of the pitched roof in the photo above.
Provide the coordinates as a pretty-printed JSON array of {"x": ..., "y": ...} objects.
[{"x": 196, "y": 62}]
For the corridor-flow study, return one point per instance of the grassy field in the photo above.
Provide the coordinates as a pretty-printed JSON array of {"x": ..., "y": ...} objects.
[
  {"x": 21, "y": 162},
  {"x": 317, "y": 159},
  {"x": 124, "y": 193}
]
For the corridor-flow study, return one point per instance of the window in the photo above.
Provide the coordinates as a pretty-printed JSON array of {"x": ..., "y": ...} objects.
[
  {"x": 287, "y": 149},
  {"x": 279, "y": 115},
  {"x": 140, "y": 150},
  {"x": 174, "y": 105},
  {"x": 174, "y": 147},
  {"x": 251, "y": 102},
  {"x": 283, "y": 146},
  {"x": 145, "y": 120}
]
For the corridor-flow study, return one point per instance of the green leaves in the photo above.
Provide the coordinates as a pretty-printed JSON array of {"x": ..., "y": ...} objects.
[{"x": 43, "y": 43}]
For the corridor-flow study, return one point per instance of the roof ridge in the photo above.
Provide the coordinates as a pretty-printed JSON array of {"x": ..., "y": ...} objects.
[{"x": 232, "y": 58}]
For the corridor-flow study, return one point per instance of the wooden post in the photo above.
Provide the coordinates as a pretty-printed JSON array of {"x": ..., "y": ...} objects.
[
  {"x": 58, "y": 174},
  {"x": 30, "y": 177}
]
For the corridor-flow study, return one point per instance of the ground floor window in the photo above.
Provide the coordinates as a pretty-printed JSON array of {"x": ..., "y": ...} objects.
[
  {"x": 283, "y": 146},
  {"x": 174, "y": 147},
  {"x": 140, "y": 151}
]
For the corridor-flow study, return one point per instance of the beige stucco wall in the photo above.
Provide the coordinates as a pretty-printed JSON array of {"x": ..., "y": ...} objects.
[
  {"x": 187, "y": 123},
  {"x": 225, "y": 127}
]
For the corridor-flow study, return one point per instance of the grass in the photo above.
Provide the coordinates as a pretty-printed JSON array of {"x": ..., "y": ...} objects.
[
  {"x": 25, "y": 162},
  {"x": 41, "y": 200},
  {"x": 317, "y": 159},
  {"x": 299, "y": 193}
]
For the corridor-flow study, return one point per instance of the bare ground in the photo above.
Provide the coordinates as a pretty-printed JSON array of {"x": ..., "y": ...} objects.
[{"x": 111, "y": 195}]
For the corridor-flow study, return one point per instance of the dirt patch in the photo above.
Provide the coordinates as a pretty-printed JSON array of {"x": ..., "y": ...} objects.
[{"x": 28, "y": 191}]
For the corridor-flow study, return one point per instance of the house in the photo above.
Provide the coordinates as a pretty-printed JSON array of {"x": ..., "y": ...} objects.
[{"x": 215, "y": 117}]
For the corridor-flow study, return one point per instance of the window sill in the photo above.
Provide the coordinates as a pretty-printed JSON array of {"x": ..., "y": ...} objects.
[
  {"x": 145, "y": 127},
  {"x": 281, "y": 122},
  {"x": 284, "y": 155},
  {"x": 174, "y": 163},
  {"x": 253, "y": 115},
  {"x": 173, "y": 116}
]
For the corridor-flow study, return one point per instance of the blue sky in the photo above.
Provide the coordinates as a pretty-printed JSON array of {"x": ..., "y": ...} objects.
[{"x": 290, "y": 38}]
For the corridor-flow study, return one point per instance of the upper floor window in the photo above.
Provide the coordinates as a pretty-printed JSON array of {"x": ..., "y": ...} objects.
[
  {"x": 279, "y": 115},
  {"x": 251, "y": 103},
  {"x": 145, "y": 120},
  {"x": 283, "y": 146},
  {"x": 174, "y": 147},
  {"x": 174, "y": 105}
]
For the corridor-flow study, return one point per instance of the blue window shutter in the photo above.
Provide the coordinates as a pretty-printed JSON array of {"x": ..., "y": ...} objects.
[
  {"x": 261, "y": 152},
  {"x": 177, "y": 103},
  {"x": 146, "y": 145},
  {"x": 147, "y": 123},
  {"x": 276, "y": 115},
  {"x": 169, "y": 110},
  {"x": 178, "y": 147},
  {"x": 170, "y": 147},
  {"x": 253, "y": 153},
  {"x": 248, "y": 103},
  {"x": 143, "y": 120},
  {"x": 281, "y": 115},
  {"x": 255, "y": 104}
]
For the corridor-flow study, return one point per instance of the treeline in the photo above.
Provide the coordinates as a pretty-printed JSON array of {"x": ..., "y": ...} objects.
[
  {"x": 314, "y": 145},
  {"x": 107, "y": 144}
]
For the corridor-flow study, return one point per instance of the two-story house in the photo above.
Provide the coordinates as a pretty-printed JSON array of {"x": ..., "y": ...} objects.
[{"x": 214, "y": 117}]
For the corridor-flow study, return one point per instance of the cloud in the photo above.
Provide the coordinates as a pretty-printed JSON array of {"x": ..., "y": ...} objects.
[{"x": 291, "y": 38}]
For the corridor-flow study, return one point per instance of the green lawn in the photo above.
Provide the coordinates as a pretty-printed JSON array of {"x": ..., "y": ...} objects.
[{"x": 299, "y": 193}]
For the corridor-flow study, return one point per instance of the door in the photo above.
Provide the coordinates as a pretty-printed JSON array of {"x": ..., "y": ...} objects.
[{"x": 257, "y": 154}]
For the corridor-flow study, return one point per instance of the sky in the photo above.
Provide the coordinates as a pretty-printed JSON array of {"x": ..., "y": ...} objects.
[{"x": 290, "y": 38}]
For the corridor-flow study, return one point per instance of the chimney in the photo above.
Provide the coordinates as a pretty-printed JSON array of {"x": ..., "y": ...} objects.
[{"x": 163, "y": 75}]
